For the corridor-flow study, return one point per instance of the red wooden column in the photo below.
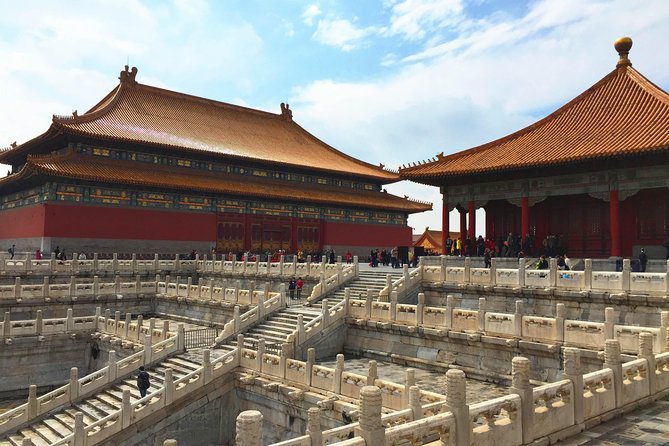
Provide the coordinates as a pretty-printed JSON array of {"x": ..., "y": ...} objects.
[
  {"x": 472, "y": 219},
  {"x": 445, "y": 230},
  {"x": 247, "y": 232},
  {"x": 524, "y": 217},
  {"x": 463, "y": 226},
  {"x": 614, "y": 208},
  {"x": 293, "y": 235}
]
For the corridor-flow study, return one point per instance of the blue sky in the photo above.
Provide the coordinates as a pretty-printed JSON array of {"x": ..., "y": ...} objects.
[{"x": 391, "y": 81}]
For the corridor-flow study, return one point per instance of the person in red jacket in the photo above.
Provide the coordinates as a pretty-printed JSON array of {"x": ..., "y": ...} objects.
[{"x": 299, "y": 285}]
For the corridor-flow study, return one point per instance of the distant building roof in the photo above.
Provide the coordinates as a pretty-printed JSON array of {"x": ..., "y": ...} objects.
[
  {"x": 138, "y": 113},
  {"x": 431, "y": 239},
  {"x": 622, "y": 114}
]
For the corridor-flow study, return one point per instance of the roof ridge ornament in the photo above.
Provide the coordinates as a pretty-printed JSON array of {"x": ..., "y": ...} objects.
[
  {"x": 128, "y": 75},
  {"x": 286, "y": 112},
  {"x": 623, "y": 45}
]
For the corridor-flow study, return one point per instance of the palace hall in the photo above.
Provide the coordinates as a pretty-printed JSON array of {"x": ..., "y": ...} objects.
[
  {"x": 593, "y": 174},
  {"x": 151, "y": 170}
]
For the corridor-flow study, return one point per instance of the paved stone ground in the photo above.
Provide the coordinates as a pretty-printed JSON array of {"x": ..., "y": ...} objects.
[
  {"x": 477, "y": 391},
  {"x": 646, "y": 426}
]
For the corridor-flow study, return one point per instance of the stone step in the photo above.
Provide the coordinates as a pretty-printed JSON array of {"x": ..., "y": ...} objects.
[
  {"x": 90, "y": 410},
  {"x": 110, "y": 399},
  {"x": 15, "y": 440},
  {"x": 56, "y": 426},
  {"x": 71, "y": 411},
  {"x": 102, "y": 403},
  {"x": 66, "y": 420},
  {"x": 269, "y": 339},
  {"x": 117, "y": 394},
  {"x": 268, "y": 332},
  {"x": 280, "y": 326},
  {"x": 183, "y": 363},
  {"x": 177, "y": 370},
  {"x": 294, "y": 311},
  {"x": 47, "y": 432},
  {"x": 36, "y": 438}
]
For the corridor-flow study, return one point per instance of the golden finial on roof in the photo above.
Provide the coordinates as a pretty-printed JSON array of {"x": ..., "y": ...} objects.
[
  {"x": 128, "y": 75},
  {"x": 623, "y": 45},
  {"x": 286, "y": 112}
]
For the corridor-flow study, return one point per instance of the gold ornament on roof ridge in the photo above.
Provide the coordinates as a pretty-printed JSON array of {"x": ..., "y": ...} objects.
[{"x": 623, "y": 45}]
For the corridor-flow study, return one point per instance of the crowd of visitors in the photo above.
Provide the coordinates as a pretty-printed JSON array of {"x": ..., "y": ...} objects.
[{"x": 513, "y": 245}]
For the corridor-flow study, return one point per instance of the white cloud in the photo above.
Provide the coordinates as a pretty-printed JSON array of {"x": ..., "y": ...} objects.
[
  {"x": 40, "y": 74},
  {"x": 192, "y": 8},
  {"x": 288, "y": 27},
  {"x": 492, "y": 80},
  {"x": 416, "y": 18},
  {"x": 340, "y": 33},
  {"x": 310, "y": 13}
]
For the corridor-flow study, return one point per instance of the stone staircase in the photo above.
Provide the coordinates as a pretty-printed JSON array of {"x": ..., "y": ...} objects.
[
  {"x": 275, "y": 331},
  {"x": 367, "y": 280},
  {"x": 277, "y": 328},
  {"x": 60, "y": 423}
]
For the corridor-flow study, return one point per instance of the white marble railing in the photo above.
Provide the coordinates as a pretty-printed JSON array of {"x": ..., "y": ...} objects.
[
  {"x": 343, "y": 275},
  {"x": 132, "y": 413},
  {"x": 409, "y": 282},
  {"x": 74, "y": 289},
  {"x": 327, "y": 379},
  {"x": 527, "y": 415},
  {"x": 587, "y": 280},
  {"x": 552, "y": 330},
  {"x": 206, "y": 291},
  {"x": 78, "y": 388},
  {"x": 257, "y": 314},
  {"x": 308, "y": 269},
  {"x": 124, "y": 329},
  {"x": 112, "y": 266}
]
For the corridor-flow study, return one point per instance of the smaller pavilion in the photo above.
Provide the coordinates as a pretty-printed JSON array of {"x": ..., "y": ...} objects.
[
  {"x": 591, "y": 177},
  {"x": 433, "y": 241}
]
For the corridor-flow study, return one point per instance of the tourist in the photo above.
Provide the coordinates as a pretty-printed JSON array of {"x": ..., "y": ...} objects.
[
  {"x": 292, "y": 285},
  {"x": 349, "y": 257},
  {"x": 480, "y": 246},
  {"x": 82, "y": 256},
  {"x": 487, "y": 258},
  {"x": 143, "y": 383},
  {"x": 393, "y": 258},
  {"x": 57, "y": 252},
  {"x": 643, "y": 261},
  {"x": 38, "y": 254},
  {"x": 298, "y": 285},
  {"x": 332, "y": 257},
  {"x": 562, "y": 263},
  {"x": 542, "y": 263},
  {"x": 11, "y": 251},
  {"x": 449, "y": 246}
]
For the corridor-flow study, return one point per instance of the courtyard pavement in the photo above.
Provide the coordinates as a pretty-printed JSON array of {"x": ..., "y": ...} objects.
[{"x": 646, "y": 426}]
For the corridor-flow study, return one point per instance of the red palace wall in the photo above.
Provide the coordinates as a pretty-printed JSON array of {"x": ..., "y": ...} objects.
[
  {"x": 123, "y": 223},
  {"x": 65, "y": 221},
  {"x": 22, "y": 222}
]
